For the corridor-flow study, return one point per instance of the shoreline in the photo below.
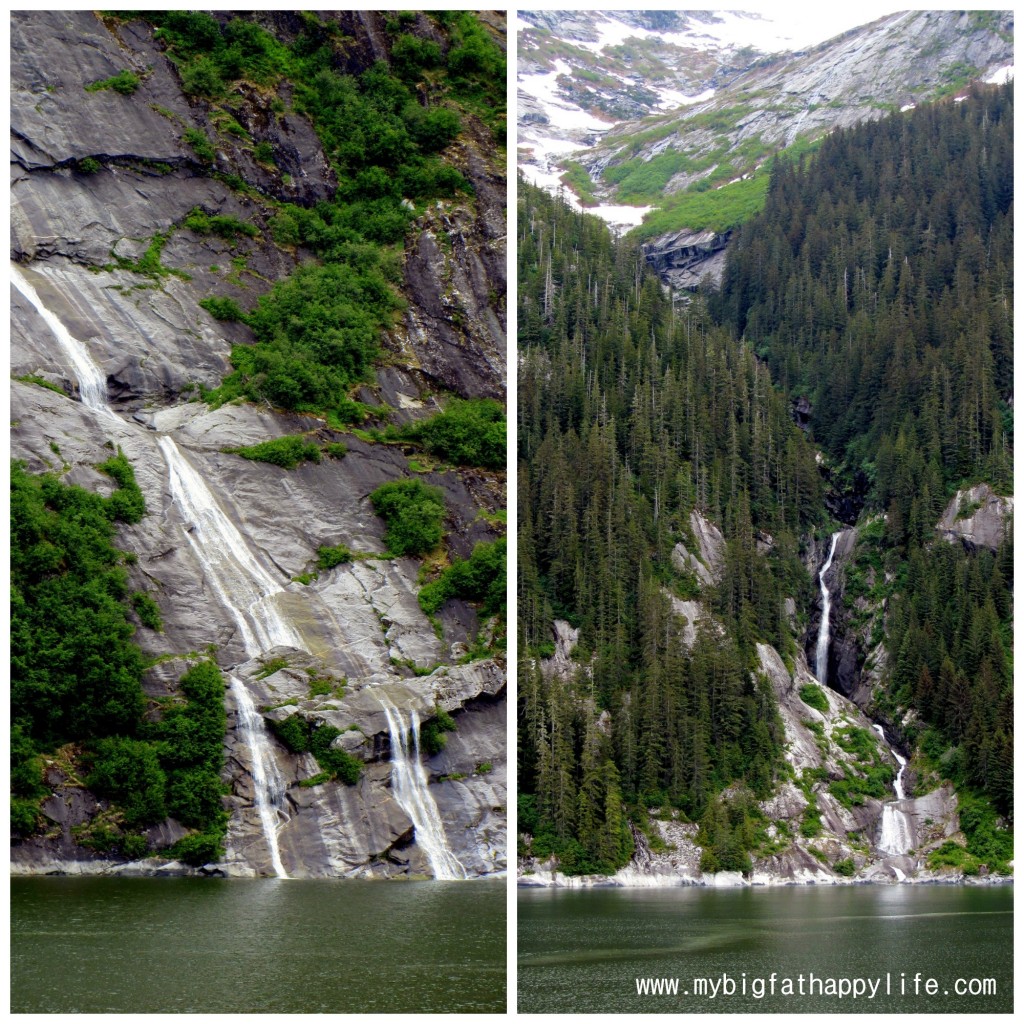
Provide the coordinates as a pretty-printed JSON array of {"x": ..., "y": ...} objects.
[{"x": 552, "y": 880}]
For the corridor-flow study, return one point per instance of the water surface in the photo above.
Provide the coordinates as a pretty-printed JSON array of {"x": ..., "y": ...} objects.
[
  {"x": 583, "y": 950},
  {"x": 190, "y": 945}
]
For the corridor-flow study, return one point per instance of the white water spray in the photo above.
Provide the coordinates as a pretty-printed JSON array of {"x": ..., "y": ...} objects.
[
  {"x": 268, "y": 786},
  {"x": 897, "y": 835},
  {"x": 821, "y": 652},
  {"x": 409, "y": 784},
  {"x": 248, "y": 592},
  {"x": 243, "y": 585},
  {"x": 92, "y": 384}
]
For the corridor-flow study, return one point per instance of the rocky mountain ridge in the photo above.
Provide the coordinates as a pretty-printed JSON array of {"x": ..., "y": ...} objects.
[{"x": 681, "y": 135}]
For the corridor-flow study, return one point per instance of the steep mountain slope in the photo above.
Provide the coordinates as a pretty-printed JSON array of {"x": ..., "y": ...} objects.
[
  {"x": 165, "y": 162},
  {"x": 694, "y": 171},
  {"x": 670, "y": 723}
]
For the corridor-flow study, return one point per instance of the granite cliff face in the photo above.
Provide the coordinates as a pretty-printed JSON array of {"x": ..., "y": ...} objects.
[{"x": 97, "y": 177}]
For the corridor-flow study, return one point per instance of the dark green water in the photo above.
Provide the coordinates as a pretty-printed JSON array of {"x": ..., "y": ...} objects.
[
  {"x": 184, "y": 945},
  {"x": 583, "y": 950}
]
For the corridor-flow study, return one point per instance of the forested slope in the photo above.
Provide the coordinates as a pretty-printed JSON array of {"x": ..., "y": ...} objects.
[
  {"x": 872, "y": 302},
  {"x": 878, "y": 285},
  {"x": 631, "y": 418}
]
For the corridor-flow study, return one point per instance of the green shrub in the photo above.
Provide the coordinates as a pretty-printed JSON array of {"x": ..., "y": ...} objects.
[
  {"x": 328, "y": 558},
  {"x": 133, "y": 846},
  {"x": 263, "y": 152},
  {"x": 293, "y": 732},
  {"x": 223, "y": 309},
  {"x": 413, "y": 512},
  {"x": 468, "y": 433},
  {"x": 200, "y": 848},
  {"x": 844, "y": 867},
  {"x": 89, "y": 165},
  {"x": 482, "y": 577},
  {"x": 202, "y": 77},
  {"x": 814, "y": 697},
  {"x": 432, "y": 732},
  {"x": 335, "y": 449},
  {"x": 126, "y": 504},
  {"x": 148, "y": 611},
  {"x": 223, "y": 225},
  {"x": 128, "y": 772},
  {"x": 201, "y": 144},
  {"x": 286, "y": 452},
  {"x": 75, "y": 673},
  {"x": 124, "y": 82},
  {"x": 340, "y": 763}
]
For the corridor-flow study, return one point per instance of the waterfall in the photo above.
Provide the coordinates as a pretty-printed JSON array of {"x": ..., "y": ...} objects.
[
  {"x": 409, "y": 784},
  {"x": 821, "y": 654},
  {"x": 247, "y": 591},
  {"x": 92, "y": 384},
  {"x": 244, "y": 586},
  {"x": 897, "y": 835},
  {"x": 268, "y": 786}
]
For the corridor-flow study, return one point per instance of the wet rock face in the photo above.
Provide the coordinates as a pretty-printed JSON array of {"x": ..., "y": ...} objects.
[{"x": 360, "y": 623}]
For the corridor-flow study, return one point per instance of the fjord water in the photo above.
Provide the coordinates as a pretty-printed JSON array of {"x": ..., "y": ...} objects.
[
  {"x": 192, "y": 945},
  {"x": 582, "y": 950}
]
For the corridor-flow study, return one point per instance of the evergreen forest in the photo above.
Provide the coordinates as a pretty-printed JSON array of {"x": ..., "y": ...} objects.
[{"x": 875, "y": 287}]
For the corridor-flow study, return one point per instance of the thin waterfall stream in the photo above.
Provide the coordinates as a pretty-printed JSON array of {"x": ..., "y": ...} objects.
[
  {"x": 92, "y": 383},
  {"x": 409, "y": 783},
  {"x": 897, "y": 833},
  {"x": 244, "y": 587},
  {"x": 247, "y": 591},
  {"x": 821, "y": 652}
]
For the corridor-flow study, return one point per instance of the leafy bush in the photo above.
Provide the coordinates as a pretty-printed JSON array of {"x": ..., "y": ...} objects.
[
  {"x": 201, "y": 144},
  {"x": 328, "y": 558},
  {"x": 148, "y": 611},
  {"x": 299, "y": 736},
  {"x": 482, "y": 577},
  {"x": 89, "y": 165},
  {"x": 223, "y": 309},
  {"x": 468, "y": 432},
  {"x": 317, "y": 334},
  {"x": 124, "y": 82},
  {"x": 200, "y": 848},
  {"x": 202, "y": 77},
  {"x": 411, "y": 54},
  {"x": 813, "y": 696},
  {"x": 263, "y": 152},
  {"x": 432, "y": 732},
  {"x": 293, "y": 732},
  {"x": 414, "y": 514},
  {"x": 844, "y": 867},
  {"x": 128, "y": 772},
  {"x": 126, "y": 504},
  {"x": 335, "y": 449},
  {"x": 75, "y": 673},
  {"x": 223, "y": 225},
  {"x": 286, "y": 452},
  {"x": 340, "y": 763}
]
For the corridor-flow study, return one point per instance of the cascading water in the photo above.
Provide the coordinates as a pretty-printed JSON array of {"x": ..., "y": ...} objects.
[
  {"x": 268, "y": 786},
  {"x": 92, "y": 384},
  {"x": 409, "y": 784},
  {"x": 897, "y": 834},
  {"x": 244, "y": 587},
  {"x": 821, "y": 652},
  {"x": 247, "y": 591}
]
